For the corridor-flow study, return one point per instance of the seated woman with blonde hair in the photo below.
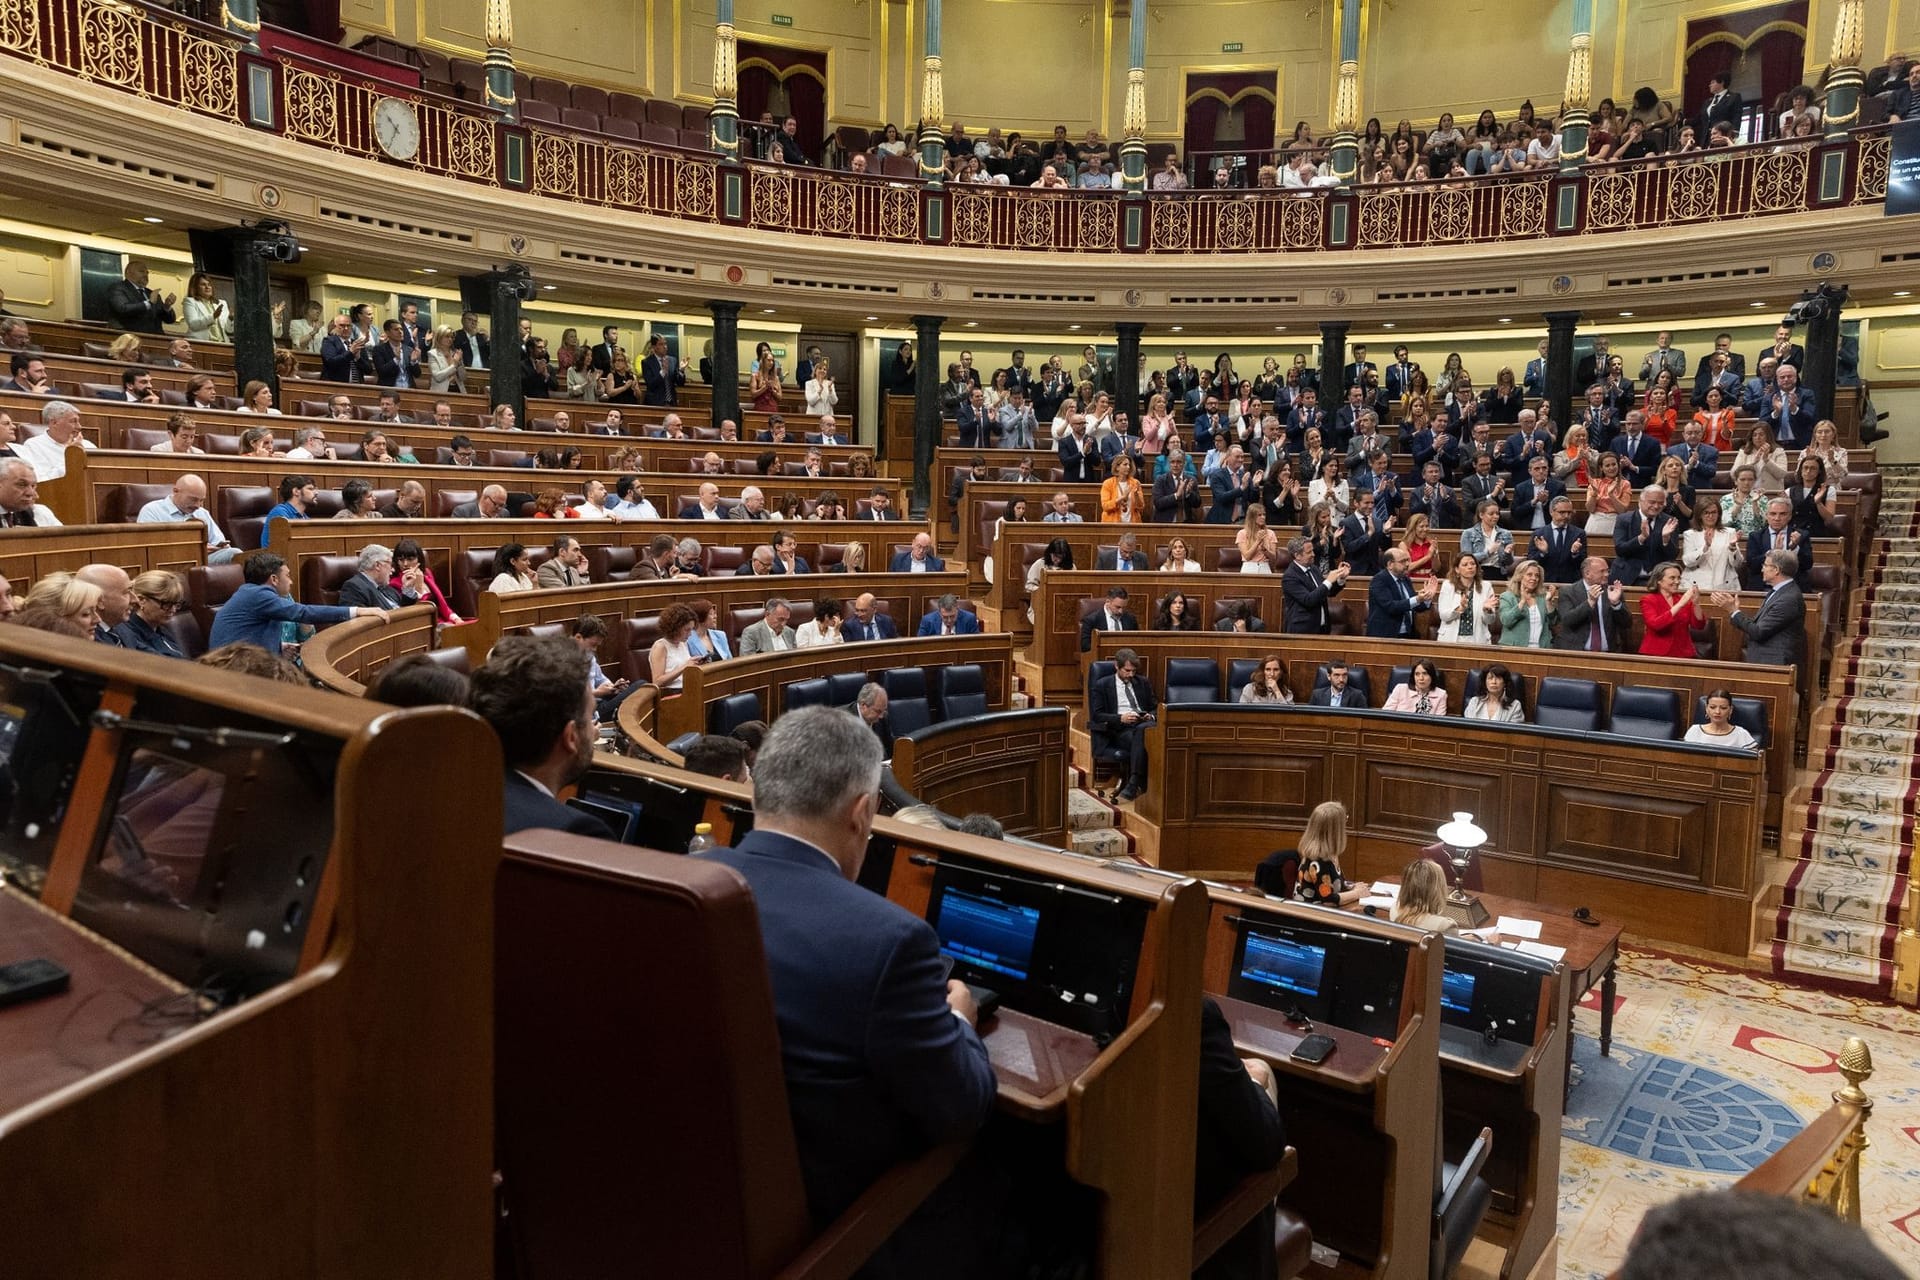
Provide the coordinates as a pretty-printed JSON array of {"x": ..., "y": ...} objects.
[{"x": 1422, "y": 903}]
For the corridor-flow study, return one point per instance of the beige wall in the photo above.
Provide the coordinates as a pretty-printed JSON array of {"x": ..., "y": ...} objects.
[{"x": 1417, "y": 60}]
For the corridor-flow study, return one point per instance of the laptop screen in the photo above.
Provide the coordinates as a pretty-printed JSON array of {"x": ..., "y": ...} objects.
[{"x": 987, "y": 933}]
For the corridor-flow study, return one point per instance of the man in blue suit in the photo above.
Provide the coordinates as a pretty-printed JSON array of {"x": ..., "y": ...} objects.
[
  {"x": 1534, "y": 383},
  {"x": 867, "y": 622},
  {"x": 1235, "y": 486},
  {"x": 534, "y": 691},
  {"x": 949, "y": 619},
  {"x": 881, "y": 1058},
  {"x": 1393, "y": 600},
  {"x": 254, "y": 614},
  {"x": 1639, "y": 452},
  {"x": 1788, "y": 410},
  {"x": 1701, "y": 460},
  {"x": 918, "y": 559},
  {"x": 663, "y": 375},
  {"x": 1775, "y": 535}
]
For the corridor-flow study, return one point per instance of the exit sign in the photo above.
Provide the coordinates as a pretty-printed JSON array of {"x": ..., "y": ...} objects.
[
  {"x": 1231, "y": 47},
  {"x": 782, "y": 20}
]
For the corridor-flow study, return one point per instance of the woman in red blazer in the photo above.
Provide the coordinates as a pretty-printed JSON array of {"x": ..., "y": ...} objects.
[{"x": 1670, "y": 613}]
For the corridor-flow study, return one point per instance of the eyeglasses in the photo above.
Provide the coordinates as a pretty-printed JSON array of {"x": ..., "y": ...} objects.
[{"x": 168, "y": 606}]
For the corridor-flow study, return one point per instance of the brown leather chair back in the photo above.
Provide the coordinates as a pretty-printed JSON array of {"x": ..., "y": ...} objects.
[
  {"x": 121, "y": 503},
  {"x": 208, "y": 587},
  {"x": 612, "y": 564},
  {"x": 321, "y": 577},
  {"x": 636, "y": 640},
  {"x": 638, "y": 1120},
  {"x": 472, "y": 571},
  {"x": 445, "y": 500},
  {"x": 241, "y": 512},
  {"x": 142, "y": 438}
]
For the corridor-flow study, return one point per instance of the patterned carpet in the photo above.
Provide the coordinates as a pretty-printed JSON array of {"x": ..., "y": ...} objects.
[{"x": 1711, "y": 1069}]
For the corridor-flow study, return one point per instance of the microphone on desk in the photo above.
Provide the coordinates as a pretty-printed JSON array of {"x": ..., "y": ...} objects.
[{"x": 1491, "y": 1036}]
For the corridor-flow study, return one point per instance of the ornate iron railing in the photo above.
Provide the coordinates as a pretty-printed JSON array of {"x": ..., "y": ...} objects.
[{"x": 177, "y": 61}]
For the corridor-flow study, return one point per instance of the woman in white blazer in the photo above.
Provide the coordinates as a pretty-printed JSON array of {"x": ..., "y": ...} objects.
[{"x": 1463, "y": 608}]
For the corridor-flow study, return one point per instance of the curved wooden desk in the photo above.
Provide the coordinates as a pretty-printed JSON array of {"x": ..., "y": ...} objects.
[
  {"x": 348, "y": 655},
  {"x": 1010, "y": 764},
  {"x": 27, "y": 555}
]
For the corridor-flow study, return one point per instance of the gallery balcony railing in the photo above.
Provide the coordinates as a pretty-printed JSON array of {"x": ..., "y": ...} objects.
[{"x": 168, "y": 59}]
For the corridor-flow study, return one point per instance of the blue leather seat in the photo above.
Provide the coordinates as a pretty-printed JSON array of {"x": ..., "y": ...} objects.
[
  {"x": 907, "y": 705},
  {"x": 1749, "y": 713},
  {"x": 1477, "y": 686},
  {"x": 1641, "y": 711},
  {"x": 844, "y": 686},
  {"x": 805, "y": 693},
  {"x": 1397, "y": 676},
  {"x": 1240, "y": 673},
  {"x": 963, "y": 691},
  {"x": 1192, "y": 680},
  {"x": 1356, "y": 679},
  {"x": 1567, "y": 703},
  {"x": 732, "y": 711}
]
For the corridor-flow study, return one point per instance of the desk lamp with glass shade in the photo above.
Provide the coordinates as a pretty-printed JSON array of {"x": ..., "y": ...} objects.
[{"x": 1462, "y": 837}]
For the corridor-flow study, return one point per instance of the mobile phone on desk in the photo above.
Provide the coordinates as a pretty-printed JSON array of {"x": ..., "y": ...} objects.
[{"x": 1313, "y": 1050}]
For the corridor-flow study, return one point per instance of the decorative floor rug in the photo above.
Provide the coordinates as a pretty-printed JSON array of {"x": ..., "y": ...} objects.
[{"x": 1712, "y": 1069}]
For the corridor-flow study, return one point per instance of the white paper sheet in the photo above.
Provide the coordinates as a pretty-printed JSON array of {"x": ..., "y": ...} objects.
[
  {"x": 1541, "y": 949},
  {"x": 1515, "y": 927}
]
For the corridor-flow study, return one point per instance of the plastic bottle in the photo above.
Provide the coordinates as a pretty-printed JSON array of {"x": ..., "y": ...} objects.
[{"x": 702, "y": 838}]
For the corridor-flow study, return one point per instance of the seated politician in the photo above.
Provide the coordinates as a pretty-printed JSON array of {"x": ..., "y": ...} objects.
[
  {"x": 882, "y": 1061},
  {"x": 534, "y": 691},
  {"x": 949, "y": 619}
]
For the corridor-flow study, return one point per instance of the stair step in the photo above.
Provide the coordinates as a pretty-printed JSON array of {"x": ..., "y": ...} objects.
[{"x": 1087, "y": 812}]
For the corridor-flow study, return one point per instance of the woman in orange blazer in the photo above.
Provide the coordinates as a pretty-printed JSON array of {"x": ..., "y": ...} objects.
[
  {"x": 1121, "y": 498},
  {"x": 1670, "y": 613}
]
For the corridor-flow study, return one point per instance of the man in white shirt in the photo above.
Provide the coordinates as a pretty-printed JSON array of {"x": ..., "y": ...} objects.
[
  {"x": 309, "y": 444},
  {"x": 1544, "y": 151},
  {"x": 1060, "y": 511},
  {"x": 189, "y": 502},
  {"x": 48, "y": 452},
  {"x": 595, "y": 505},
  {"x": 708, "y": 507},
  {"x": 630, "y": 500}
]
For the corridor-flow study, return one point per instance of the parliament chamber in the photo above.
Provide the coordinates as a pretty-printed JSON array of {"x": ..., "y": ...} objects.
[{"x": 1391, "y": 651}]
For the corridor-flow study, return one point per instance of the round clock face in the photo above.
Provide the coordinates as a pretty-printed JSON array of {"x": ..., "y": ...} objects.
[{"x": 396, "y": 128}]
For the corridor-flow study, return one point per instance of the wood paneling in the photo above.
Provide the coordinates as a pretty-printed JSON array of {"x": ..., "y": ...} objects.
[{"x": 1012, "y": 765}]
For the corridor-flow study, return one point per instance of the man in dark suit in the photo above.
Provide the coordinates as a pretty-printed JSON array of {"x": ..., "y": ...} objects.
[
  {"x": 1399, "y": 373},
  {"x": 1355, "y": 374},
  {"x": 881, "y": 1058},
  {"x": 663, "y": 373},
  {"x": 1784, "y": 349},
  {"x": 867, "y": 622},
  {"x": 370, "y": 587},
  {"x": 1119, "y": 709},
  {"x": 870, "y": 708},
  {"x": 343, "y": 356},
  {"x": 1638, "y": 450},
  {"x": 948, "y": 619},
  {"x": 786, "y": 554},
  {"x": 136, "y": 308},
  {"x": 1127, "y": 557},
  {"x": 1723, "y": 106},
  {"x": 1593, "y": 366},
  {"x": 1438, "y": 502},
  {"x": 917, "y": 559},
  {"x": 394, "y": 363},
  {"x": 1775, "y": 634},
  {"x": 1701, "y": 460},
  {"x": 534, "y": 693},
  {"x": 1776, "y": 536},
  {"x": 1306, "y": 592},
  {"x": 1363, "y": 538},
  {"x": 1111, "y": 616},
  {"x": 602, "y": 352},
  {"x": 1079, "y": 455},
  {"x": 1242, "y": 618},
  {"x": 1393, "y": 600},
  {"x": 1593, "y": 611},
  {"x": 1644, "y": 537},
  {"x": 1788, "y": 410},
  {"x": 1336, "y": 692},
  {"x": 1182, "y": 378},
  {"x": 1533, "y": 497},
  {"x": 1235, "y": 486},
  {"x": 1560, "y": 546},
  {"x": 978, "y": 428}
]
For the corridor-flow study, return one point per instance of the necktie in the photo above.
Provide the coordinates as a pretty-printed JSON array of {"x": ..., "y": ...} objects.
[
  {"x": 1406, "y": 620},
  {"x": 1113, "y": 622},
  {"x": 1128, "y": 704},
  {"x": 947, "y": 629}
]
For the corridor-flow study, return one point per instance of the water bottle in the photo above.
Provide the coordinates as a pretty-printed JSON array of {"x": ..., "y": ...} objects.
[{"x": 702, "y": 839}]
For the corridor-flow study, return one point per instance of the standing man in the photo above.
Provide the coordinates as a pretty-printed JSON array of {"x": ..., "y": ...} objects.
[
  {"x": 1593, "y": 611},
  {"x": 1392, "y": 599},
  {"x": 1306, "y": 591},
  {"x": 662, "y": 373},
  {"x": 1775, "y": 634},
  {"x": 136, "y": 308}
]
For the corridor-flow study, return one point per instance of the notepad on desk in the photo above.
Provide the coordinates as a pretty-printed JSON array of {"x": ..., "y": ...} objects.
[
  {"x": 1515, "y": 927},
  {"x": 1542, "y": 950}
]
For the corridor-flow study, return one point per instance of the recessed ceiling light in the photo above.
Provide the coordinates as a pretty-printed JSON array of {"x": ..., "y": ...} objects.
[
  {"x": 429, "y": 271},
  {"x": 1761, "y": 303},
  {"x": 1280, "y": 328},
  {"x": 1626, "y": 313},
  {"x": 549, "y": 287},
  {"x": 973, "y": 324},
  {"x": 1898, "y": 293},
  {"x": 151, "y": 218},
  {"x": 1179, "y": 328},
  {"x": 873, "y": 317},
  {"x": 663, "y": 301},
  {"x": 766, "y": 311},
  {"x": 1073, "y": 326},
  {"x": 1387, "y": 325},
  {"x": 1506, "y": 319}
]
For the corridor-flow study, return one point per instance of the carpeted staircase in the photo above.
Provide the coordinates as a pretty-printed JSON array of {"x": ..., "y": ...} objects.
[
  {"x": 1850, "y": 827},
  {"x": 1094, "y": 826}
]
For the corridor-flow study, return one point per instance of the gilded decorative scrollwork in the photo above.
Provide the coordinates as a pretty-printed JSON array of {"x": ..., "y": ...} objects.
[
  {"x": 972, "y": 218},
  {"x": 311, "y": 111},
  {"x": 109, "y": 45},
  {"x": 1172, "y": 225},
  {"x": 20, "y": 25},
  {"x": 1233, "y": 225},
  {"x": 1523, "y": 209},
  {"x": 1099, "y": 224},
  {"x": 900, "y": 214},
  {"x": 1693, "y": 192},
  {"x": 556, "y": 168},
  {"x": 469, "y": 146},
  {"x": 1449, "y": 215},
  {"x": 833, "y": 208},
  {"x": 1875, "y": 155},
  {"x": 771, "y": 202},
  {"x": 1300, "y": 224},
  {"x": 1780, "y": 181},
  {"x": 1380, "y": 219},
  {"x": 1610, "y": 202},
  {"x": 626, "y": 178},
  {"x": 1033, "y": 223},
  {"x": 209, "y": 78},
  {"x": 693, "y": 188}
]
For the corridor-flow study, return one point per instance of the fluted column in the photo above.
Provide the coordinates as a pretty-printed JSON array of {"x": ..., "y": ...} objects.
[
  {"x": 1133, "y": 116},
  {"x": 1845, "y": 80},
  {"x": 726, "y": 361},
  {"x": 933, "y": 108},
  {"x": 1579, "y": 93},
  {"x": 243, "y": 18},
  {"x": 1346, "y": 100},
  {"x": 500, "y": 92},
  {"x": 928, "y": 426},
  {"x": 1126, "y": 373},
  {"x": 723, "y": 122},
  {"x": 1560, "y": 331}
]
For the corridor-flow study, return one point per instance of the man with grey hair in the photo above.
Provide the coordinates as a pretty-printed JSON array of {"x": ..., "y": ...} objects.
[
  {"x": 1777, "y": 534},
  {"x": 19, "y": 498},
  {"x": 881, "y": 1056},
  {"x": 116, "y": 600},
  {"x": 48, "y": 452},
  {"x": 871, "y": 706},
  {"x": 753, "y": 504},
  {"x": 371, "y": 587},
  {"x": 947, "y": 618},
  {"x": 490, "y": 505},
  {"x": 689, "y": 559},
  {"x": 15, "y": 336},
  {"x": 1776, "y": 632},
  {"x": 311, "y": 443},
  {"x": 771, "y": 634},
  {"x": 1645, "y": 537},
  {"x": 1125, "y": 558},
  {"x": 759, "y": 562}
]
